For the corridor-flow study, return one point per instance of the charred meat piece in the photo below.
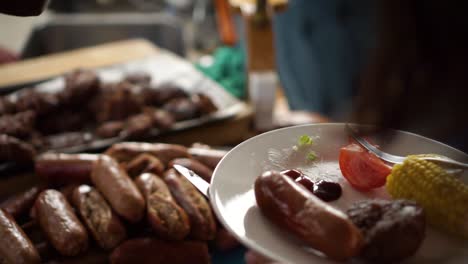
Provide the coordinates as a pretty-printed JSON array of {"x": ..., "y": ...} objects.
[
  {"x": 162, "y": 119},
  {"x": 160, "y": 95},
  {"x": 119, "y": 104},
  {"x": 204, "y": 104},
  {"x": 138, "y": 78},
  {"x": 80, "y": 86},
  {"x": 18, "y": 125},
  {"x": 6, "y": 106},
  {"x": 182, "y": 108},
  {"x": 393, "y": 230},
  {"x": 138, "y": 126},
  {"x": 110, "y": 129},
  {"x": 64, "y": 120},
  {"x": 13, "y": 149},
  {"x": 40, "y": 103}
]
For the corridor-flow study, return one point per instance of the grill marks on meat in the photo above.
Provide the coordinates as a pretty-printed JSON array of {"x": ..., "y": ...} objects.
[{"x": 393, "y": 230}]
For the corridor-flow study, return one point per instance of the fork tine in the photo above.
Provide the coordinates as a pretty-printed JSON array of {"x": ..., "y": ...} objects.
[{"x": 365, "y": 144}]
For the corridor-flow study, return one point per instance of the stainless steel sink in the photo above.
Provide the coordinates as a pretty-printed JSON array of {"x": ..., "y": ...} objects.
[{"x": 71, "y": 31}]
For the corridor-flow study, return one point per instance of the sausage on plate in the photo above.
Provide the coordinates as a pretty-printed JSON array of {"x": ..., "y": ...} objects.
[
  {"x": 166, "y": 218},
  {"x": 60, "y": 224},
  {"x": 202, "y": 221},
  {"x": 105, "y": 226},
  {"x": 291, "y": 207},
  {"x": 118, "y": 189},
  {"x": 15, "y": 246}
]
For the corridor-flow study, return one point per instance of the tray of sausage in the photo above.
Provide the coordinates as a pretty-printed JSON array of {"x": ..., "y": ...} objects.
[
  {"x": 91, "y": 109},
  {"x": 126, "y": 205}
]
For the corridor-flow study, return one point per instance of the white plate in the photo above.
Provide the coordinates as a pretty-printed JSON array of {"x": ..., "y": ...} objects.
[{"x": 234, "y": 201}]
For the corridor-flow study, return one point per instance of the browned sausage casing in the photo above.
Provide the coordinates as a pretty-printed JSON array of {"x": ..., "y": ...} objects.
[
  {"x": 61, "y": 169},
  {"x": 126, "y": 151},
  {"x": 144, "y": 163},
  {"x": 202, "y": 222},
  {"x": 105, "y": 226},
  {"x": 194, "y": 165},
  {"x": 209, "y": 157},
  {"x": 15, "y": 246},
  {"x": 60, "y": 224},
  {"x": 293, "y": 208},
  {"x": 117, "y": 187},
  {"x": 166, "y": 218},
  {"x": 20, "y": 204},
  {"x": 154, "y": 251}
]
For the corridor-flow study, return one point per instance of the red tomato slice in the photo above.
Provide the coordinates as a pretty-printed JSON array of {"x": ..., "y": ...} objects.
[{"x": 363, "y": 170}]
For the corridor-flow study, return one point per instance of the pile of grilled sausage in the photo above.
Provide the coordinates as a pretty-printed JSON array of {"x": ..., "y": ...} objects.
[
  {"x": 87, "y": 110},
  {"x": 124, "y": 206}
]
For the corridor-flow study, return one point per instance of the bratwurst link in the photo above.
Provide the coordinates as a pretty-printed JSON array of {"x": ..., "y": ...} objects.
[
  {"x": 118, "y": 189},
  {"x": 102, "y": 222},
  {"x": 60, "y": 224},
  {"x": 292, "y": 207},
  {"x": 16, "y": 246}
]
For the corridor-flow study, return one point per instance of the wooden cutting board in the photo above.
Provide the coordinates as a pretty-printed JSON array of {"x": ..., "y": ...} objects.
[{"x": 45, "y": 67}]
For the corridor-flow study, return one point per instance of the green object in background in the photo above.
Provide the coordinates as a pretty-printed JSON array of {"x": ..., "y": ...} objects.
[{"x": 227, "y": 69}]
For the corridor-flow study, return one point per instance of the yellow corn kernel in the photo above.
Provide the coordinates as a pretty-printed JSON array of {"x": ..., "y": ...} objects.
[{"x": 443, "y": 196}]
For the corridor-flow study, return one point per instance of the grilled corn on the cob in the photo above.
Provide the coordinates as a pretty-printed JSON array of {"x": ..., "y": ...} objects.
[{"x": 442, "y": 195}]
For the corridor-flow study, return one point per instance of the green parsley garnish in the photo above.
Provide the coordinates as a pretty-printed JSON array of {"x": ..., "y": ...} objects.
[
  {"x": 304, "y": 140},
  {"x": 311, "y": 156}
]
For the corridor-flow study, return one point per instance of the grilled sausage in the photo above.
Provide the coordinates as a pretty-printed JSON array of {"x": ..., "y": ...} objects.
[
  {"x": 144, "y": 163},
  {"x": 291, "y": 207},
  {"x": 61, "y": 169},
  {"x": 13, "y": 149},
  {"x": 20, "y": 204},
  {"x": 161, "y": 119},
  {"x": 202, "y": 222},
  {"x": 195, "y": 166},
  {"x": 126, "y": 151},
  {"x": 60, "y": 224},
  {"x": 110, "y": 129},
  {"x": 209, "y": 157},
  {"x": 103, "y": 223},
  {"x": 15, "y": 246},
  {"x": 154, "y": 251},
  {"x": 166, "y": 218},
  {"x": 118, "y": 189}
]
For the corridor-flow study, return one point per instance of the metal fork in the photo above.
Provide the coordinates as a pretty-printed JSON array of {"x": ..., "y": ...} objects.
[{"x": 393, "y": 159}]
